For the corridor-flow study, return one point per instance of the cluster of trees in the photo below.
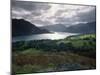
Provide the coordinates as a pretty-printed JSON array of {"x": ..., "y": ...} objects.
[
  {"x": 85, "y": 46},
  {"x": 45, "y": 45}
]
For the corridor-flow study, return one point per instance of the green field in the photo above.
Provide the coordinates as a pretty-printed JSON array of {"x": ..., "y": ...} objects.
[{"x": 72, "y": 53}]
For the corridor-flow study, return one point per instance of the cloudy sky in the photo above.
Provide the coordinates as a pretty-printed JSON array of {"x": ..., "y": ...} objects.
[{"x": 42, "y": 14}]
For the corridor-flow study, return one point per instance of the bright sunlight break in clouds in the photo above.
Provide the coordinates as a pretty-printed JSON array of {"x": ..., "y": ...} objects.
[{"x": 42, "y": 14}]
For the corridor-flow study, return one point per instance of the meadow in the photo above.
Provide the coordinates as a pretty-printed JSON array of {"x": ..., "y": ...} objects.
[{"x": 76, "y": 52}]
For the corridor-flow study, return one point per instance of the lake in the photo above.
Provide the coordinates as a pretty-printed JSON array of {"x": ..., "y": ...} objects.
[{"x": 52, "y": 36}]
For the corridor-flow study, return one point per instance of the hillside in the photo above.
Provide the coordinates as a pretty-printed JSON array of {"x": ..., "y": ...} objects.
[
  {"x": 55, "y": 28},
  {"x": 82, "y": 28},
  {"x": 21, "y": 27},
  {"x": 69, "y": 54},
  {"x": 78, "y": 28}
]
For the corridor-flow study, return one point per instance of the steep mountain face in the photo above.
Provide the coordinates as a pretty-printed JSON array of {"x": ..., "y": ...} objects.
[
  {"x": 21, "y": 27},
  {"x": 82, "y": 28},
  {"x": 55, "y": 28}
]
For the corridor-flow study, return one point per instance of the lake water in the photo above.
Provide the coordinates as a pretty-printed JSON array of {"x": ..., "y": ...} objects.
[{"x": 52, "y": 36}]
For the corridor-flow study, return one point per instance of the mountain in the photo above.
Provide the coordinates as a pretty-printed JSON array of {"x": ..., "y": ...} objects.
[
  {"x": 55, "y": 28},
  {"x": 82, "y": 28},
  {"x": 78, "y": 28},
  {"x": 22, "y": 27}
]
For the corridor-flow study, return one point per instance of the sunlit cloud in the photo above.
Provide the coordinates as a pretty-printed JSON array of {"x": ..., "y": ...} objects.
[{"x": 50, "y": 14}]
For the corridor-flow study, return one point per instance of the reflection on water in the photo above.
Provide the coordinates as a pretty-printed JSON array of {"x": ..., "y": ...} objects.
[{"x": 52, "y": 36}]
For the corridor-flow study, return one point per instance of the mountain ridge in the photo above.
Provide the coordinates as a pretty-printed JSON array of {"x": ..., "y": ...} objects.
[
  {"x": 82, "y": 28},
  {"x": 55, "y": 28},
  {"x": 22, "y": 27}
]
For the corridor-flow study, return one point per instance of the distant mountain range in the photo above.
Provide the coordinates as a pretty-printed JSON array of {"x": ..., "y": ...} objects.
[
  {"x": 55, "y": 28},
  {"x": 82, "y": 28},
  {"x": 22, "y": 27},
  {"x": 79, "y": 28}
]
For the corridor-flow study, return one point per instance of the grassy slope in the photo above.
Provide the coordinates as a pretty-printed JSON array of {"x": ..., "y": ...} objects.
[{"x": 36, "y": 60}]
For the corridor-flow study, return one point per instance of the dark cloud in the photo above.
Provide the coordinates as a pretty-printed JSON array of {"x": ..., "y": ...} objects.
[
  {"x": 30, "y": 6},
  {"x": 86, "y": 14},
  {"x": 89, "y": 16},
  {"x": 47, "y": 13},
  {"x": 33, "y": 7}
]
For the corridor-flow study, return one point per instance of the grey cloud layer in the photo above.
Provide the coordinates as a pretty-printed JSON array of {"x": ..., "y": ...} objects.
[
  {"x": 86, "y": 14},
  {"x": 47, "y": 13}
]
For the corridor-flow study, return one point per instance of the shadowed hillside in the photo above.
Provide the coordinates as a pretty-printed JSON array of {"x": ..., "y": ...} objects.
[
  {"x": 21, "y": 27},
  {"x": 82, "y": 28}
]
